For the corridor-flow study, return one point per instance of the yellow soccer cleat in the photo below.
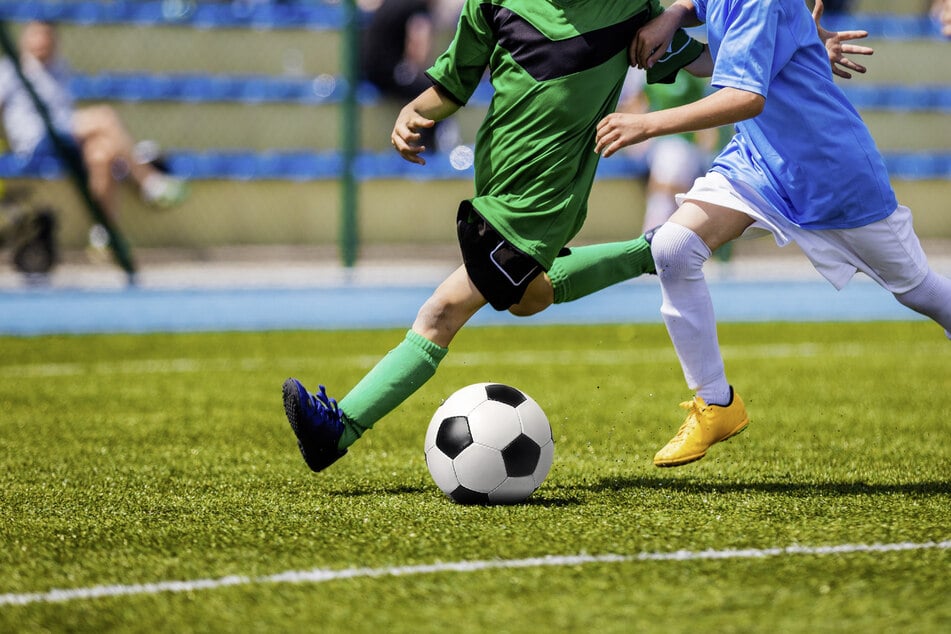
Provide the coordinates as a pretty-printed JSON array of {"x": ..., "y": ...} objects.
[{"x": 704, "y": 426}]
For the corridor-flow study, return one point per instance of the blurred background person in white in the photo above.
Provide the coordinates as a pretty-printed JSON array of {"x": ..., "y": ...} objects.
[
  {"x": 96, "y": 132},
  {"x": 941, "y": 11},
  {"x": 675, "y": 161}
]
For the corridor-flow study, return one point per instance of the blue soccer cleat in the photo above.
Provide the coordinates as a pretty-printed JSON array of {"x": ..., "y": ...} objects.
[{"x": 316, "y": 421}]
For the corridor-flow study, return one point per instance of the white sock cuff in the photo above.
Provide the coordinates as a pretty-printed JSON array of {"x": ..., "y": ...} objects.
[{"x": 677, "y": 248}]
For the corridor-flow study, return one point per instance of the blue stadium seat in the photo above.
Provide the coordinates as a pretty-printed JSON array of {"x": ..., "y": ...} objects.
[
  {"x": 885, "y": 25},
  {"x": 297, "y": 15},
  {"x": 300, "y": 165},
  {"x": 328, "y": 89},
  {"x": 329, "y": 15},
  {"x": 900, "y": 97},
  {"x": 314, "y": 14}
]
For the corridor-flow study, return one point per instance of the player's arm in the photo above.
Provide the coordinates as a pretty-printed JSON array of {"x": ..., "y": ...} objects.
[
  {"x": 654, "y": 38},
  {"x": 837, "y": 48},
  {"x": 422, "y": 112},
  {"x": 703, "y": 65},
  {"x": 724, "y": 107}
]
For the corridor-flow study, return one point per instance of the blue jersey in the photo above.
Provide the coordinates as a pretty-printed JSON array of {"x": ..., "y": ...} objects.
[{"x": 809, "y": 154}]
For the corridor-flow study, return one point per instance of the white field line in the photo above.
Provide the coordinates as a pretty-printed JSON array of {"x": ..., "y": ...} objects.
[
  {"x": 325, "y": 575},
  {"x": 517, "y": 358}
]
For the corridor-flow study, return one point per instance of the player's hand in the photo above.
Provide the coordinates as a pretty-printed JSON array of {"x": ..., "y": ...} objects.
[
  {"x": 838, "y": 49},
  {"x": 405, "y": 137},
  {"x": 652, "y": 40},
  {"x": 619, "y": 130}
]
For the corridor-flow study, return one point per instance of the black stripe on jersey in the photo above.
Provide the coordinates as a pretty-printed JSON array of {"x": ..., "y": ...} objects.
[{"x": 545, "y": 59}]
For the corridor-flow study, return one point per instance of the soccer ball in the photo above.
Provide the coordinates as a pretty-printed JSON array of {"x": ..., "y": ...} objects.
[{"x": 489, "y": 443}]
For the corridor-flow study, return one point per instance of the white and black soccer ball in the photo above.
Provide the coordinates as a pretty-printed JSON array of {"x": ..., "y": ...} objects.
[{"x": 489, "y": 443}]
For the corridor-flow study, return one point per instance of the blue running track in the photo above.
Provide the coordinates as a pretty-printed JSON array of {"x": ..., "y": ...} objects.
[{"x": 38, "y": 311}]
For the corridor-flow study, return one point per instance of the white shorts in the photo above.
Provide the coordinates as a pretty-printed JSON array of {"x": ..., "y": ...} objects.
[{"x": 888, "y": 251}]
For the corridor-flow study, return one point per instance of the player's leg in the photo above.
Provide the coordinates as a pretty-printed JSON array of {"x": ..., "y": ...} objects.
[
  {"x": 680, "y": 248},
  {"x": 448, "y": 308},
  {"x": 580, "y": 271},
  {"x": 931, "y": 298},
  {"x": 900, "y": 269},
  {"x": 890, "y": 253},
  {"x": 414, "y": 361},
  {"x": 493, "y": 272},
  {"x": 325, "y": 429}
]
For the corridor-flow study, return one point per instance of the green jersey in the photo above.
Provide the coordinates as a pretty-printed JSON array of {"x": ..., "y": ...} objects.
[{"x": 556, "y": 68}]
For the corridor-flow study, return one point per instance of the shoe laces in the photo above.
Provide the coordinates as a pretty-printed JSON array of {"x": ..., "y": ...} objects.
[
  {"x": 324, "y": 402},
  {"x": 694, "y": 408}
]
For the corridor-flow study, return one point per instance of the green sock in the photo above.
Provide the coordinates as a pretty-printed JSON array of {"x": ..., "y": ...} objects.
[
  {"x": 595, "y": 267},
  {"x": 391, "y": 381}
]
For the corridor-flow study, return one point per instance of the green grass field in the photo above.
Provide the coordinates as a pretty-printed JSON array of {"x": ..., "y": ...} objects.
[{"x": 127, "y": 461}]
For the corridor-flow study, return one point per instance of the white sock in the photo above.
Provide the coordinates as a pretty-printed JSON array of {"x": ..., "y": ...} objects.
[
  {"x": 931, "y": 298},
  {"x": 688, "y": 310}
]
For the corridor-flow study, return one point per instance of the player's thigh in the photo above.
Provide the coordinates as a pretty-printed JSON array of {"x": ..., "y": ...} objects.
[
  {"x": 889, "y": 251},
  {"x": 716, "y": 225}
]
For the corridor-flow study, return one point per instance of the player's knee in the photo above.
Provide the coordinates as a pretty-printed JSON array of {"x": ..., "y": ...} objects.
[
  {"x": 528, "y": 308},
  {"x": 432, "y": 313},
  {"x": 678, "y": 251},
  {"x": 538, "y": 296},
  {"x": 440, "y": 318}
]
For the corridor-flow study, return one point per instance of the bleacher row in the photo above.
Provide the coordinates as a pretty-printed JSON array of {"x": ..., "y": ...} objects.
[
  {"x": 319, "y": 14},
  {"x": 307, "y": 166},
  {"x": 266, "y": 15},
  {"x": 292, "y": 164},
  {"x": 259, "y": 89},
  {"x": 210, "y": 157},
  {"x": 328, "y": 89}
]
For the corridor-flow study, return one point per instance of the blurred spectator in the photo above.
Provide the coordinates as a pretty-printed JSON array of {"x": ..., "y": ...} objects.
[
  {"x": 97, "y": 134},
  {"x": 941, "y": 11},
  {"x": 397, "y": 49},
  {"x": 673, "y": 162}
]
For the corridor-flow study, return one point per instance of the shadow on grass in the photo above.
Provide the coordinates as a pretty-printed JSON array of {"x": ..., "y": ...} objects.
[
  {"x": 574, "y": 495},
  {"x": 785, "y": 488},
  {"x": 383, "y": 490},
  {"x": 538, "y": 499}
]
